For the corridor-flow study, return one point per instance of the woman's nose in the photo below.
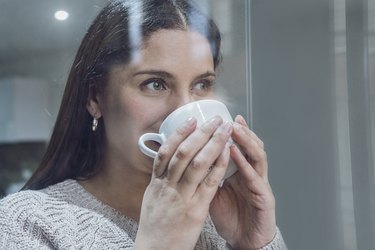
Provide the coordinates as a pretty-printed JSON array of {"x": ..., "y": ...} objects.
[{"x": 183, "y": 99}]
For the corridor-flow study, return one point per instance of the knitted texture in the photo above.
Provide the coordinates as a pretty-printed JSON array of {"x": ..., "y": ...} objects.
[{"x": 66, "y": 216}]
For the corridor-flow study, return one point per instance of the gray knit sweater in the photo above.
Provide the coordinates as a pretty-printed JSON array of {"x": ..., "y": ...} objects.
[{"x": 66, "y": 216}]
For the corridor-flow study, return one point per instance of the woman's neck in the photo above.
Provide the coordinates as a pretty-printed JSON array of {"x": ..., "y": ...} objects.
[{"x": 122, "y": 188}]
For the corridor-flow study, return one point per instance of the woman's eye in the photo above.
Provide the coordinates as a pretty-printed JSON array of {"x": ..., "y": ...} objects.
[
  {"x": 203, "y": 85},
  {"x": 154, "y": 85}
]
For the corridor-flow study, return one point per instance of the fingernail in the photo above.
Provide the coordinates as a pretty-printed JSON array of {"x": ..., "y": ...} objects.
[
  {"x": 243, "y": 121},
  {"x": 227, "y": 127},
  {"x": 236, "y": 126},
  {"x": 217, "y": 120},
  {"x": 229, "y": 143},
  {"x": 187, "y": 125},
  {"x": 190, "y": 121}
]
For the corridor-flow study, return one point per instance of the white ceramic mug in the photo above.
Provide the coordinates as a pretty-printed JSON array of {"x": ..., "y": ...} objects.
[{"x": 202, "y": 110}]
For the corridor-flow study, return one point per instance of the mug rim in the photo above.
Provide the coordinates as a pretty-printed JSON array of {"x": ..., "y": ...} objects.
[{"x": 169, "y": 116}]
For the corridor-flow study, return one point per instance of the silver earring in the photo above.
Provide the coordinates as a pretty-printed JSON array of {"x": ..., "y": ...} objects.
[{"x": 94, "y": 124}]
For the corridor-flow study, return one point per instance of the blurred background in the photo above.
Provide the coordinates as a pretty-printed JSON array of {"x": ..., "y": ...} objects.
[{"x": 301, "y": 71}]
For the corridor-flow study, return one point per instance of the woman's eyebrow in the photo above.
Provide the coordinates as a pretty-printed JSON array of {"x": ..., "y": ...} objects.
[
  {"x": 160, "y": 73},
  {"x": 207, "y": 74},
  {"x": 164, "y": 74}
]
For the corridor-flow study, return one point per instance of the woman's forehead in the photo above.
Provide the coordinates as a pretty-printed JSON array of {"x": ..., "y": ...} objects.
[{"x": 169, "y": 44}]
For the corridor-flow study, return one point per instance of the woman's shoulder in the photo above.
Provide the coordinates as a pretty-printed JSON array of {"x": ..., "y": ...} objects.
[
  {"x": 22, "y": 201},
  {"x": 51, "y": 216},
  {"x": 20, "y": 213},
  {"x": 51, "y": 202}
]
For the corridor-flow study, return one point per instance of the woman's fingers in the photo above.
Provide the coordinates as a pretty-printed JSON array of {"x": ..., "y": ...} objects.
[
  {"x": 245, "y": 168},
  {"x": 261, "y": 195},
  {"x": 169, "y": 147},
  {"x": 206, "y": 158},
  {"x": 184, "y": 159},
  {"x": 251, "y": 146},
  {"x": 215, "y": 175},
  {"x": 187, "y": 150},
  {"x": 239, "y": 119}
]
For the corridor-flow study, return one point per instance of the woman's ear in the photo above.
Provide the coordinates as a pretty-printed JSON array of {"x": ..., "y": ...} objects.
[{"x": 92, "y": 105}]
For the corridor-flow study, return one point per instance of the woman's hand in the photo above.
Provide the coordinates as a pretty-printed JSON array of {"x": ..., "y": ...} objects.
[
  {"x": 243, "y": 210},
  {"x": 183, "y": 184}
]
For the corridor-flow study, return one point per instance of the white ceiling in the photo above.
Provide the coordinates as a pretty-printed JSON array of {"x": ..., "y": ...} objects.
[{"x": 28, "y": 26}]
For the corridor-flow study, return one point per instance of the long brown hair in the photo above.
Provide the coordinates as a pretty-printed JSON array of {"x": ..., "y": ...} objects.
[{"x": 74, "y": 149}]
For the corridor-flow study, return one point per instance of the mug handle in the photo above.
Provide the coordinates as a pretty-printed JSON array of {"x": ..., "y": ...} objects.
[{"x": 150, "y": 137}]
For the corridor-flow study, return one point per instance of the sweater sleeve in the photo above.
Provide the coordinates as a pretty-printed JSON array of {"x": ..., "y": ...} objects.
[
  {"x": 277, "y": 243},
  {"x": 210, "y": 239}
]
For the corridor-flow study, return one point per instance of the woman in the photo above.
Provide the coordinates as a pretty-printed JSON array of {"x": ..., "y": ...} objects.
[{"x": 94, "y": 188}]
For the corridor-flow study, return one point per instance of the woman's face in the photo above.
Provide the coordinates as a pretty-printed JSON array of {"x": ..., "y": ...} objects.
[{"x": 173, "y": 68}]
